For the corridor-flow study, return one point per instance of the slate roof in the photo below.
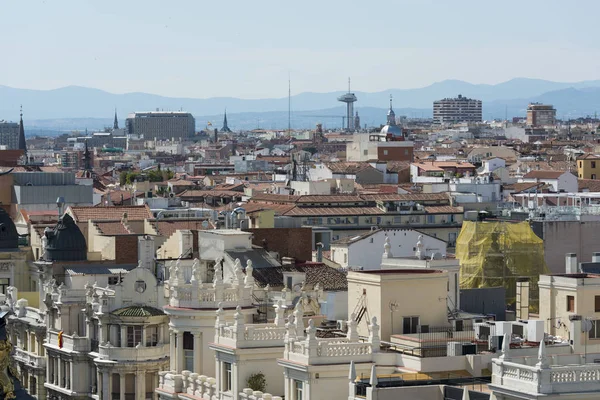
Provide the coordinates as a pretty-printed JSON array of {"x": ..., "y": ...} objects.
[
  {"x": 260, "y": 258},
  {"x": 138, "y": 311}
]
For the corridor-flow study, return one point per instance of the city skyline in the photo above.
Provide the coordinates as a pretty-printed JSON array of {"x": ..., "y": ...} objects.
[{"x": 238, "y": 49}]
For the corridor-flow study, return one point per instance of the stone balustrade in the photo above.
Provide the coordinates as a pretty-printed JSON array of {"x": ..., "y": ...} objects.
[
  {"x": 328, "y": 351},
  {"x": 137, "y": 353},
  {"x": 69, "y": 342},
  {"x": 249, "y": 394},
  {"x": 30, "y": 359},
  {"x": 249, "y": 336},
  {"x": 554, "y": 379},
  {"x": 188, "y": 383},
  {"x": 208, "y": 295}
]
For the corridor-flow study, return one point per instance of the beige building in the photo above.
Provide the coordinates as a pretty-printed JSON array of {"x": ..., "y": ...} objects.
[
  {"x": 567, "y": 295},
  {"x": 420, "y": 294}
]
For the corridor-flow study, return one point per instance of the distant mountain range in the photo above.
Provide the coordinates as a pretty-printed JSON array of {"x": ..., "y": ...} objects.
[{"x": 76, "y": 107}]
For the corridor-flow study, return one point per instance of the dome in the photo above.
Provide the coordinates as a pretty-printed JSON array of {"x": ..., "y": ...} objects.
[
  {"x": 65, "y": 242},
  {"x": 9, "y": 238},
  {"x": 393, "y": 130}
]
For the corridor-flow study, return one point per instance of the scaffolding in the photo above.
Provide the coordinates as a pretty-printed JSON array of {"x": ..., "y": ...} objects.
[{"x": 500, "y": 253}]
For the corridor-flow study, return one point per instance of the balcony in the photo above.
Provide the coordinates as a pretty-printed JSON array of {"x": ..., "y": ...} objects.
[
  {"x": 554, "y": 379},
  {"x": 187, "y": 382},
  {"x": 70, "y": 343},
  {"x": 329, "y": 351},
  {"x": 109, "y": 352},
  {"x": 32, "y": 360},
  {"x": 251, "y": 336}
]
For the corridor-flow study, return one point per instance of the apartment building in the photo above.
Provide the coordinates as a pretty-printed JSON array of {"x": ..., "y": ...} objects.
[
  {"x": 458, "y": 109},
  {"x": 539, "y": 115},
  {"x": 352, "y": 215},
  {"x": 9, "y": 135},
  {"x": 368, "y": 148},
  {"x": 588, "y": 166},
  {"x": 163, "y": 125}
]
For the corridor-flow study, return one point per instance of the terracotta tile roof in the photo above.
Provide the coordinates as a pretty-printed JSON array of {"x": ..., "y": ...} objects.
[
  {"x": 443, "y": 210},
  {"x": 441, "y": 165},
  {"x": 397, "y": 166},
  {"x": 588, "y": 157},
  {"x": 544, "y": 174},
  {"x": 208, "y": 193},
  {"x": 348, "y": 167},
  {"x": 330, "y": 279},
  {"x": 112, "y": 228},
  {"x": 333, "y": 211},
  {"x": 167, "y": 228},
  {"x": 341, "y": 198},
  {"x": 280, "y": 209},
  {"x": 134, "y": 213},
  {"x": 592, "y": 185},
  {"x": 522, "y": 186},
  {"x": 406, "y": 197}
]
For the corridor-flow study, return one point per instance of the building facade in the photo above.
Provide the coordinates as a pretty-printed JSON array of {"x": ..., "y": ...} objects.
[
  {"x": 458, "y": 109},
  {"x": 161, "y": 125},
  {"x": 9, "y": 135},
  {"x": 540, "y": 115}
]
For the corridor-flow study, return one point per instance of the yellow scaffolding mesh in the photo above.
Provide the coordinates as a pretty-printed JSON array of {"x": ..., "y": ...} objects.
[{"x": 498, "y": 253}]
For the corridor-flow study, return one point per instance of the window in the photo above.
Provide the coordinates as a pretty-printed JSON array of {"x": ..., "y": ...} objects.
[
  {"x": 570, "y": 303},
  {"x": 32, "y": 385},
  {"x": 580, "y": 164},
  {"x": 289, "y": 282},
  {"x": 597, "y": 303},
  {"x": 188, "y": 350},
  {"x": 4, "y": 284},
  {"x": 595, "y": 331},
  {"x": 431, "y": 219},
  {"x": 226, "y": 377},
  {"x": 113, "y": 280},
  {"x": 345, "y": 258},
  {"x": 152, "y": 335},
  {"x": 593, "y": 164},
  {"x": 385, "y": 152},
  {"x": 593, "y": 176},
  {"x": 298, "y": 390},
  {"x": 134, "y": 335},
  {"x": 410, "y": 324},
  {"x": 365, "y": 153}
]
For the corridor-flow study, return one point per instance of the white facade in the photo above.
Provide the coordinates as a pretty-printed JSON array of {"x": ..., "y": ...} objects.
[
  {"x": 566, "y": 182},
  {"x": 492, "y": 164},
  {"x": 364, "y": 251}
]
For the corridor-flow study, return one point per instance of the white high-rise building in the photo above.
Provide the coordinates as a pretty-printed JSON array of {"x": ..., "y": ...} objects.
[
  {"x": 458, "y": 109},
  {"x": 161, "y": 124}
]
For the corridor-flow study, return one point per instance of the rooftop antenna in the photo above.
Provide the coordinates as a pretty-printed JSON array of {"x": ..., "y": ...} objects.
[{"x": 289, "y": 105}]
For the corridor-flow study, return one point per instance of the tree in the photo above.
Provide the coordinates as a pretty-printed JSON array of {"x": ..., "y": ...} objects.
[{"x": 257, "y": 382}]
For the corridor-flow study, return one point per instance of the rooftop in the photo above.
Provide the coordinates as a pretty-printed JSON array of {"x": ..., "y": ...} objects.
[{"x": 134, "y": 213}]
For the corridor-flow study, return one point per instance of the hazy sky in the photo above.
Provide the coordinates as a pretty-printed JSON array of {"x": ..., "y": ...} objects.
[{"x": 244, "y": 48}]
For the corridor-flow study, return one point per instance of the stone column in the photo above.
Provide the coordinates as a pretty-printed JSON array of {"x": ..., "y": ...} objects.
[
  {"x": 156, "y": 383},
  {"x": 124, "y": 336},
  {"x": 173, "y": 365},
  {"x": 41, "y": 389},
  {"x": 180, "y": 358},
  {"x": 122, "y": 382},
  {"x": 198, "y": 352},
  {"x": 144, "y": 335},
  {"x": 106, "y": 386},
  {"x": 99, "y": 383},
  {"x": 140, "y": 385},
  {"x": 71, "y": 375},
  {"x": 49, "y": 370},
  {"x": 60, "y": 371}
]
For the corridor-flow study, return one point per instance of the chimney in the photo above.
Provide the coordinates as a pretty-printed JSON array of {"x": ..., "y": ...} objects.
[
  {"x": 596, "y": 257},
  {"x": 571, "y": 263},
  {"x": 320, "y": 252},
  {"x": 146, "y": 251}
]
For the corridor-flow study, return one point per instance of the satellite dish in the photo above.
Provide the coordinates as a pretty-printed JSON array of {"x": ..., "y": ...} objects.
[
  {"x": 586, "y": 325},
  {"x": 205, "y": 224}
]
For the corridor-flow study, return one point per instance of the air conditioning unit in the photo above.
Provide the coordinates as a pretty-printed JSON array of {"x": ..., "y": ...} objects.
[
  {"x": 495, "y": 343},
  {"x": 482, "y": 331},
  {"x": 469, "y": 348},
  {"x": 342, "y": 325},
  {"x": 454, "y": 349}
]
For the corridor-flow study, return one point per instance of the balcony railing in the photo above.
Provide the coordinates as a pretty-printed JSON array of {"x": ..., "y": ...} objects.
[
  {"x": 251, "y": 336},
  {"x": 70, "y": 343},
  {"x": 555, "y": 379},
  {"x": 30, "y": 359},
  {"x": 133, "y": 353}
]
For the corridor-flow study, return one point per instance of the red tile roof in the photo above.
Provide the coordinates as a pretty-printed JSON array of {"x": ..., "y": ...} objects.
[
  {"x": 544, "y": 174},
  {"x": 134, "y": 213},
  {"x": 112, "y": 228}
]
